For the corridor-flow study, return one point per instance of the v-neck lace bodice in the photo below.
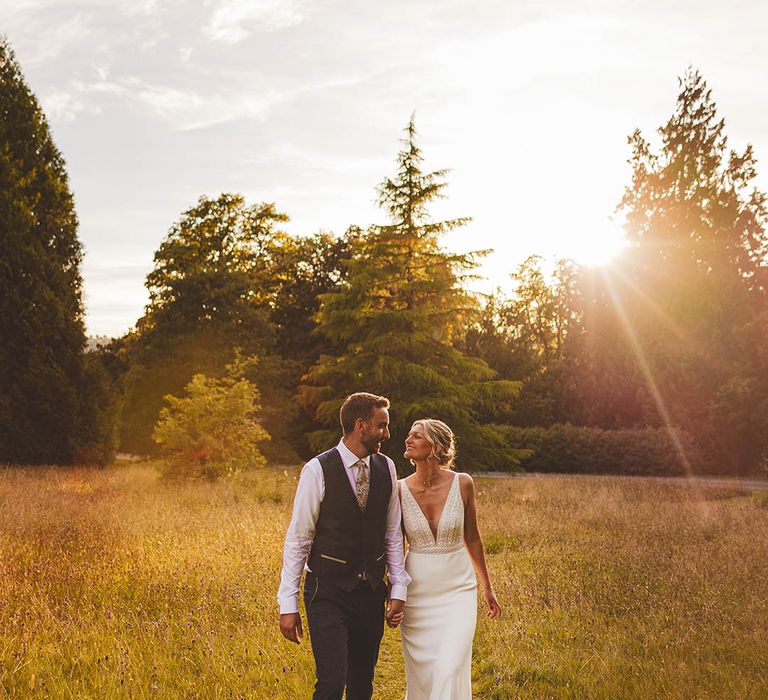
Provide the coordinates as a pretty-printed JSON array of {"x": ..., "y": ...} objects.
[{"x": 450, "y": 528}]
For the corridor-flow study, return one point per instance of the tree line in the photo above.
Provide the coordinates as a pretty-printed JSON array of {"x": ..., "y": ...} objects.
[{"x": 657, "y": 363}]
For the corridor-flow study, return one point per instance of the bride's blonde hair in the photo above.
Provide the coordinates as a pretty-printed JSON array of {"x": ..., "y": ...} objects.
[{"x": 441, "y": 437}]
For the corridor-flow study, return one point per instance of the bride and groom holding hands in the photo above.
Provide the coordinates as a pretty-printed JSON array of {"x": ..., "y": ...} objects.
[{"x": 349, "y": 516}]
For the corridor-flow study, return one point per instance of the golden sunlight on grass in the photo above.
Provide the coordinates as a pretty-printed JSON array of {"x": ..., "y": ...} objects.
[{"x": 116, "y": 584}]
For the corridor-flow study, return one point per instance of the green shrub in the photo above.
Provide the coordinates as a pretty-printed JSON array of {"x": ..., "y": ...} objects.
[
  {"x": 212, "y": 431},
  {"x": 566, "y": 448}
]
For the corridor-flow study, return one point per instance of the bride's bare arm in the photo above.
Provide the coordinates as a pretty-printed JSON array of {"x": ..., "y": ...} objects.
[{"x": 474, "y": 543}]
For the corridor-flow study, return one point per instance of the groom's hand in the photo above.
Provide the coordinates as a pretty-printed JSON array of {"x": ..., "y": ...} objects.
[
  {"x": 395, "y": 612},
  {"x": 290, "y": 626}
]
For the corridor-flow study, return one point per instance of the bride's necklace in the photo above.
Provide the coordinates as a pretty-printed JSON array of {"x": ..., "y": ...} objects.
[{"x": 426, "y": 482}]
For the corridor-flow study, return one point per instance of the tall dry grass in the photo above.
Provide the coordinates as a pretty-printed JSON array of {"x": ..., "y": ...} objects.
[{"x": 116, "y": 584}]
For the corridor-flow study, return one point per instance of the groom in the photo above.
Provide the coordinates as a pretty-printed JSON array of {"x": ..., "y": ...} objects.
[{"x": 345, "y": 529}]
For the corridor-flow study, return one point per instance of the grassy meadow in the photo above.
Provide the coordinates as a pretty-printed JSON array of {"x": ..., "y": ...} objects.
[{"x": 114, "y": 583}]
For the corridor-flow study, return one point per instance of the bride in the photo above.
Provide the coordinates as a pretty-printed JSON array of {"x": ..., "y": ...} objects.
[{"x": 440, "y": 522}]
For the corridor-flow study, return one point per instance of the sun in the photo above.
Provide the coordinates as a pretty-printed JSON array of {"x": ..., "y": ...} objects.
[{"x": 600, "y": 245}]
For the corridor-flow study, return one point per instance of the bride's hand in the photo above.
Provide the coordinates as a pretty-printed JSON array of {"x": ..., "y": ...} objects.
[
  {"x": 394, "y": 613},
  {"x": 494, "y": 609}
]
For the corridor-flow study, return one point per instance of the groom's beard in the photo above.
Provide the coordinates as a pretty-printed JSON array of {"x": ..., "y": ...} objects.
[{"x": 371, "y": 445}]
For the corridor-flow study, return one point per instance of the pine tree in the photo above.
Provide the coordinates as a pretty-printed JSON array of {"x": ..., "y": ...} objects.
[
  {"x": 41, "y": 313},
  {"x": 689, "y": 295},
  {"x": 397, "y": 315},
  {"x": 692, "y": 207}
]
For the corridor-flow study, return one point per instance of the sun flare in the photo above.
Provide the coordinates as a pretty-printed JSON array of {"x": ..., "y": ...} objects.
[{"x": 600, "y": 245}]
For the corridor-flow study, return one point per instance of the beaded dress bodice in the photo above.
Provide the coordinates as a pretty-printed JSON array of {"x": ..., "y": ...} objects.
[{"x": 450, "y": 528}]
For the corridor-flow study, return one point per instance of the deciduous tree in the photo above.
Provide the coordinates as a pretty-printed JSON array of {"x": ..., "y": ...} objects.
[
  {"x": 212, "y": 430},
  {"x": 211, "y": 290}
]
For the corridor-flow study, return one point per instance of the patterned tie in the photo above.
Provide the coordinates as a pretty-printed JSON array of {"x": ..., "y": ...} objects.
[{"x": 362, "y": 484}]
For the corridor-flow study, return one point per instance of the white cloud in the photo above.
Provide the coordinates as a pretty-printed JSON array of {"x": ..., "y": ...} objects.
[
  {"x": 305, "y": 102},
  {"x": 182, "y": 108},
  {"x": 141, "y": 7},
  {"x": 103, "y": 87},
  {"x": 235, "y": 20},
  {"x": 61, "y": 106},
  {"x": 187, "y": 109},
  {"x": 52, "y": 40},
  {"x": 169, "y": 103},
  {"x": 185, "y": 53}
]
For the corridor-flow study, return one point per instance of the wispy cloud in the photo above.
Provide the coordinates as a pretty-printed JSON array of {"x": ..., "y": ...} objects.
[
  {"x": 185, "y": 53},
  {"x": 141, "y": 7},
  {"x": 114, "y": 273},
  {"x": 61, "y": 106},
  {"x": 180, "y": 108},
  {"x": 186, "y": 109},
  {"x": 53, "y": 38},
  {"x": 303, "y": 102},
  {"x": 234, "y": 21}
]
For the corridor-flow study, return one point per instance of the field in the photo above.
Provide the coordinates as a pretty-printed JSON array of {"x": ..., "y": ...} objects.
[{"x": 115, "y": 583}]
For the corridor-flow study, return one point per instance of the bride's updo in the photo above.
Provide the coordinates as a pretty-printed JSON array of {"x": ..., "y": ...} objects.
[{"x": 440, "y": 436}]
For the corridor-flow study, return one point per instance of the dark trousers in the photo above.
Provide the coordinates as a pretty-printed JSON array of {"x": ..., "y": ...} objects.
[{"x": 345, "y": 629}]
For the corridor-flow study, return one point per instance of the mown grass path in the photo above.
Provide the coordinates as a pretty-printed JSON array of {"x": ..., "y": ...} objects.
[{"x": 116, "y": 584}]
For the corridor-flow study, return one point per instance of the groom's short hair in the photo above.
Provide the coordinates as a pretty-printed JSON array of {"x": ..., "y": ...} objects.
[{"x": 359, "y": 405}]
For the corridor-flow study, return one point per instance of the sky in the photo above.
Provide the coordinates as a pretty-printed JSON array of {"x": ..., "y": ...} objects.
[{"x": 154, "y": 103}]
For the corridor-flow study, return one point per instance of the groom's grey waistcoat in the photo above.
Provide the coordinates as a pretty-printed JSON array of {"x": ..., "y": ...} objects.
[{"x": 348, "y": 541}]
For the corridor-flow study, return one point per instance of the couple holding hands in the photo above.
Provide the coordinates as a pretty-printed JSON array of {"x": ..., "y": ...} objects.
[{"x": 349, "y": 516}]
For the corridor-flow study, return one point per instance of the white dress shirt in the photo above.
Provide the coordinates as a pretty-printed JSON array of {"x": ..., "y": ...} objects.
[{"x": 301, "y": 532}]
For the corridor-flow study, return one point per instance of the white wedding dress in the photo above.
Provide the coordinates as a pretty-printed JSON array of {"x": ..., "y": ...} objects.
[{"x": 441, "y": 610}]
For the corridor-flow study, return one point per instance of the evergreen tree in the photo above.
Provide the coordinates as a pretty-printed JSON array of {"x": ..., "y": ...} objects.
[
  {"x": 397, "y": 315},
  {"x": 689, "y": 295},
  {"x": 100, "y": 404},
  {"x": 692, "y": 209},
  {"x": 41, "y": 314}
]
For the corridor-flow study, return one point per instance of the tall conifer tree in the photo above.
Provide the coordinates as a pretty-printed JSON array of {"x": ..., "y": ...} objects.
[
  {"x": 41, "y": 315},
  {"x": 690, "y": 293},
  {"x": 397, "y": 315}
]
